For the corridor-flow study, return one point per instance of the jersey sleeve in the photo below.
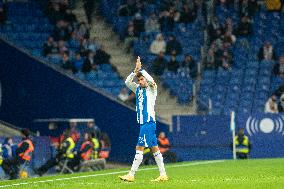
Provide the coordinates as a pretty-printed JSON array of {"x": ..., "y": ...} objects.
[{"x": 130, "y": 84}]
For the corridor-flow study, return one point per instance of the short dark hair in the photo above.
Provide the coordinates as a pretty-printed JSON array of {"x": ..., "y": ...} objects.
[{"x": 139, "y": 74}]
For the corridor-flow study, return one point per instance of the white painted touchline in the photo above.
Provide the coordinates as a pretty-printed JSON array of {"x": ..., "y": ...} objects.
[{"x": 111, "y": 173}]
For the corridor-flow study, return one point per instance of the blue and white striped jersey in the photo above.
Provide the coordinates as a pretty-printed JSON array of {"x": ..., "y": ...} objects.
[{"x": 145, "y": 98}]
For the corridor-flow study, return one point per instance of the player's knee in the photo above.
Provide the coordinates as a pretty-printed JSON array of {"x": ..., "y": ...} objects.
[{"x": 139, "y": 155}]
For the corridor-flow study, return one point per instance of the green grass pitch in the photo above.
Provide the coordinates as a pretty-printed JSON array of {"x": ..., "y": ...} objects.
[{"x": 229, "y": 174}]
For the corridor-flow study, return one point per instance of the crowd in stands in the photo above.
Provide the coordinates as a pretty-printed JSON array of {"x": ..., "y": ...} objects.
[
  {"x": 70, "y": 42},
  {"x": 222, "y": 36},
  {"x": 163, "y": 20}
]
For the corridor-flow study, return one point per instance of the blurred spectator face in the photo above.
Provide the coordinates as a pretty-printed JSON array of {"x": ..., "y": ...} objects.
[
  {"x": 91, "y": 55},
  {"x": 86, "y": 136},
  {"x": 267, "y": 44},
  {"x": 73, "y": 124},
  {"x": 160, "y": 37},
  {"x": 161, "y": 55},
  {"x": 78, "y": 56},
  {"x": 90, "y": 124},
  {"x": 273, "y": 98},
  {"x": 281, "y": 60},
  {"x": 10, "y": 141},
  {"x": 188, "y": 58},
  {"x": 61, "y": 43},
  {"x": 50, "y": 39},
  {"x": 162, "y": 135},
  {"x": 65, "y": 58}
]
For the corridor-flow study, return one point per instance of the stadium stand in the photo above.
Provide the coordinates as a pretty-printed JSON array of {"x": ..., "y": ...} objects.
[
  {"x": 29, "y": 27},
  {"x": 247, "y": 85}
]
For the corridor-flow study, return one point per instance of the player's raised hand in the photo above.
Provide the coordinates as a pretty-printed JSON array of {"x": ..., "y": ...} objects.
[{"x": 138, "y": 65}]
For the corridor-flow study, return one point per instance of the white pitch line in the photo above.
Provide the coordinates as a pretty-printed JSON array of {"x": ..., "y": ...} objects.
[{"x": 111, "y": 173}]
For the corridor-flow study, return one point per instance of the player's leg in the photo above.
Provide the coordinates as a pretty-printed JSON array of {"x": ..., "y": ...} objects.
[
  {"x": 142, "y": 143},
  {"x": 138, "y": 158},
  {"x": 157, "y": 154}
]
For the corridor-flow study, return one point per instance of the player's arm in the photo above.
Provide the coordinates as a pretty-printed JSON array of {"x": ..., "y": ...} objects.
[
  {"x": 129, "y": 82},
  {"x": 147, "y": 76}
]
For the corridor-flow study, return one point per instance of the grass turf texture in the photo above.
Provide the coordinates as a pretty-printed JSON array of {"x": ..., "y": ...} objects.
[{"x": 242, "y": 174}]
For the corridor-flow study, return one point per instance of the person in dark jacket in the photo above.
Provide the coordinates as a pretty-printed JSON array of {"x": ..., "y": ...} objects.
[
  {"x": 173, "y": 45},
  {"x": 23, "y": 153}
]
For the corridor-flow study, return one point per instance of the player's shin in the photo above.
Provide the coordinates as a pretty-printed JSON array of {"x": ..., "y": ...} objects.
[
  {"x": 136, "y": 162},
  {"x": 160, "y": 162}
]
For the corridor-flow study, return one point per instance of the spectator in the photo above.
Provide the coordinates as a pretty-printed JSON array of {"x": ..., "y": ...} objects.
[
  {"x": 91, "y": 45},
  {"x": 279, "y": 67},
  {"x": 89, "y": 64},
  {"x": 78, "y": 62},
  {"x": 74, "y": 42},
  {"x": 226, "y": 61},
  {"x": 123, "y": 95},
  {"x": 48, "y": 46},
  {"x": 8, "y": 148},
  {"x": 93, "y": 129},
  {"x": 213, "y": 27},
  {"x": 210, "y": 59},
  {"x": 102, "y": 57},
  {"x": 189, "y": 65},
  {"x": 188, "y": 13},
  {"x": 159, "y": 64},
  {"x": 62, "y": 47},
  {"x": 173, "y": 64},
  {"x": 271, "y": 105},
  {"x": 70, "y": 17},
  {"x": 3, "y": 13},
  {"x": 229, "y": 38},
  {"x": 130, "y": 36},
  {"x": 105, "y": 146},
  {"x": 84, "y": 51},
  {"x": 244, "y": 27},
  {"x": 54, "y": 13},
  {"x": 66, "y": 63},
  {"x": 166, "y": 20},
  {"x": 139, "y": 24},
  {"x": 128, "y": 9},
  {"x": 281, "y": 104},
  {"x": 266, "y": 52},
  {"x": 89, "y": 9},
  {"x": 158, "y": 45},
  {"x": 173, "y": 45},
  {"x": 83, "y": 31},
  {"x": 61, "y": 31},
  {"x": 229, "y": 27},
  {"x": 152, "y": 24},
  {"x": 164, "y": 146}
]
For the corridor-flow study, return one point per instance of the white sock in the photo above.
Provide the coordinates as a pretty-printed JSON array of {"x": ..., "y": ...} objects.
[
  {"x": 160, "y": 162},
  {"x": 136, "y": 162}
]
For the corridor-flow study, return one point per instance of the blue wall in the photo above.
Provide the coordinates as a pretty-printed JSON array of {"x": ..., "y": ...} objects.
[
  {"x": 32, "y": 90},
  {"x": 209, "y": 137}
]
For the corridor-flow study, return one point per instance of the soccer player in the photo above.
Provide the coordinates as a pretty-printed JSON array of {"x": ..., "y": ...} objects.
[{"x": 146, "y": 93}]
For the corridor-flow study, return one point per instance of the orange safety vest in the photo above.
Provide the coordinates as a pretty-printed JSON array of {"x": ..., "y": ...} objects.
[
  {"x": 104, "y": 153},
  {"x": 86, "y": 155},
  {"x": 26, "y": 155},
  {"x": 163, "y": 141}
]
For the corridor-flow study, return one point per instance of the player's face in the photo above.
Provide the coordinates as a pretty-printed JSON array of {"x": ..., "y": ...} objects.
[{"x": 142, "y": 82}]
